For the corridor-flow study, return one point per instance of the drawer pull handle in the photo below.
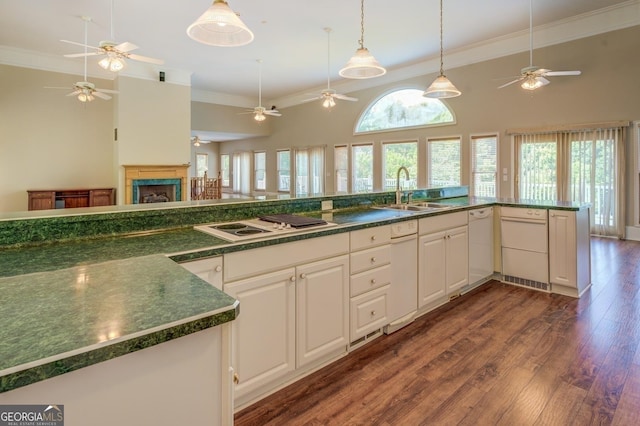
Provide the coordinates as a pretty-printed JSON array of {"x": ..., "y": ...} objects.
[
  {"x": 236, "y": 378},
  {"x": 218, "y": 268},
  {"x": 373, "y": 260},
  {"x": 373, "y": 313},
  {"x": 373, "y": 280},
  {"x": 373, "y": 238},
  {"x": 293, "y": 278},
  {"x": 303, "y": 275}
]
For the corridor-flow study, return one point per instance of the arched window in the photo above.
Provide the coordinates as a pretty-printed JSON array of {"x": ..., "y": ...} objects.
[{"x": 401, "y": 109}]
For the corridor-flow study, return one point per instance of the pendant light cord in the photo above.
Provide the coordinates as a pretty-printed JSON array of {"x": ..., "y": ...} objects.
[
  {"x": 361, "y": 41},
  {"x": 328, "y": 30},
  {"x": 441, "y": 49},
  {"x": 530, "y": 33},
  {"x": 86, "y": 40}
]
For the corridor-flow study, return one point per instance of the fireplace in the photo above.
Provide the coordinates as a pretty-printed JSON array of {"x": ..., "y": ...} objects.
[{"x": 155, "y": 184}]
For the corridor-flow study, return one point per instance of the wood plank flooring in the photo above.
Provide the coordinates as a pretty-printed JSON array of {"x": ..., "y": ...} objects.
[{"x": 501, "y": 355}]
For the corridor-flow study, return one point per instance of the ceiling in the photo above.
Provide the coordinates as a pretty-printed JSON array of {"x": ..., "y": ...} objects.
[{"x": 289, "y": 36}]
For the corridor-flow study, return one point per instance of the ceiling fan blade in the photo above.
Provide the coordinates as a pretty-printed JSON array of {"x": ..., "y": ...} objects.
[
  {"x": 101, "y": 95},
  {"x": 75, "y": 92},
  {"x": 344, "y": 98},
  {"x": 315, "y": 98},
  {"x": 560, "y": 73},
  {"x": 52, "y": 87},
  {"x": 79, "y": 44},
  {"x": 125, "y": 47},
  {"x": 273, "y": 113},
  {"x": 107, "y": 91},
  {"x": 145, "y": 59},
  {"x": 542, "y": 80},
  {"x": 510, "y": 83},
  {"x": 80, "y": 55}
]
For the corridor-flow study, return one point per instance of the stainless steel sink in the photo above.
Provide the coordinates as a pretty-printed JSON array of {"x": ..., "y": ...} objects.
[{"x": 418, "y": 207}]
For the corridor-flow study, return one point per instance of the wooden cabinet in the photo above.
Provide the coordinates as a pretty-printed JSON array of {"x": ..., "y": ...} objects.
[
  {"x": 70, "y": 198},
  {"x": 370, "y": 281},
  {"x": 443, "y": 258},
  {"x": 209, "y": 269},
  {"x": 569, "y": 252}
]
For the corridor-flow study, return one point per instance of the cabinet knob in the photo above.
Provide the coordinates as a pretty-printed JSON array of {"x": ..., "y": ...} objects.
[
  {"x": 373, "y": 280},
  {"x": 303, "y": 275},
  {"x": 373, "y": 260},
  {"x": 236, "y": 378},
  {"x": 218, "y": 268},
  {"x": 373, "y": 313},
  {"x": 373, "y": 238},
  {"x": 293, "y": 278}
]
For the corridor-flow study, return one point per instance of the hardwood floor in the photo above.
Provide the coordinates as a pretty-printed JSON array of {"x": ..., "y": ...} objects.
[{"x": 499, "y": 355}]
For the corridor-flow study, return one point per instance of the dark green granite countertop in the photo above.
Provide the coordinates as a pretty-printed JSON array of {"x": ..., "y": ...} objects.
[
  {"x": 80, "y": 302},
  {"x": 55, "y": 322}
]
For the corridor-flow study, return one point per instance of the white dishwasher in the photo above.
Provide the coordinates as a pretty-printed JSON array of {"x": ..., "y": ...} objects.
[
  {"x": 403, "y": 293},
  {"x": 480, "y": 245}
]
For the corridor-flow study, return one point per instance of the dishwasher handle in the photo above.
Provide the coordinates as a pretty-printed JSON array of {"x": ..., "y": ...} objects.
[
  {"x": 481, "y": 213},
  {"x": 523, "y": 220}
]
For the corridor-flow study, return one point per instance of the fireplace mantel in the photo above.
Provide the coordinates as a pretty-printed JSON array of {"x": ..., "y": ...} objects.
[{"x": 134, "y": 172}]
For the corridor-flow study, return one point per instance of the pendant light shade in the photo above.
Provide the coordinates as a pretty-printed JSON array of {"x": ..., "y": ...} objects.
[
  {"x": 220, "y": 26},
  {"x": 362, "y": 64},
  {"x": 441, "y": 87}
]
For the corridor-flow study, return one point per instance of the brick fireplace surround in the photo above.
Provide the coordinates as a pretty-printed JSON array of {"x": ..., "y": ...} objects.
[{"x": 154, "y": 172}]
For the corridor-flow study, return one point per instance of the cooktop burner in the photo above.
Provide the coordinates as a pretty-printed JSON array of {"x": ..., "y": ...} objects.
[{"x": 266, "y": 226}]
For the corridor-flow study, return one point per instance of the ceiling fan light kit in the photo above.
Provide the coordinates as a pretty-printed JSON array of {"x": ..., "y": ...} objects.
[
  {"x": 362, "y": 65},
  {"x": 111, "y": 62},
  {"x": 441, "y": 87},
  {"x": 220, "y": 26}
]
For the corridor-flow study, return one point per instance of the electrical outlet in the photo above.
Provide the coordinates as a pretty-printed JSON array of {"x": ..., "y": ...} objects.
[{"x": 327, "y": 205}]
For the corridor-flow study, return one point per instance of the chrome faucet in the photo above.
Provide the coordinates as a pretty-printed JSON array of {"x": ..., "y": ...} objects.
[{"x": 398, "y": 194}]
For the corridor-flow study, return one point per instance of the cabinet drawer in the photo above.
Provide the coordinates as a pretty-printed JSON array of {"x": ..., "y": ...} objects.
[
  {"x": 370, "y": 258},
  {"x": 370, "y": 237},
  {"x": 369, "y": 312},
  {"x": 428, "y": 225},
  {"x": 369, "y": 280}
]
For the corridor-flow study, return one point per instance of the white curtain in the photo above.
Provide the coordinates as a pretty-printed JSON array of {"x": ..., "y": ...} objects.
[
  {"x": 309, "y": 170},
  {"x": 242, "y": 172}
]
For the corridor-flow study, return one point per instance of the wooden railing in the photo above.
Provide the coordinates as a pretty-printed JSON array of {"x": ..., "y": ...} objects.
[{"x": 205, "y": 188}]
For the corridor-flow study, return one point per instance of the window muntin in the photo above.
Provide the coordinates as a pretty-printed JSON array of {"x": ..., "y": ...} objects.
[
  {"x": 395, "y": 155},
  {"x": 401, "y": 109},
  {"x": 443, "y": 162},
  {"x": 260, "y": 170},
  {"x": 362, "y": 167},
  {"x": 284, "y": 170},
  {"x": 484, "y": 166}
]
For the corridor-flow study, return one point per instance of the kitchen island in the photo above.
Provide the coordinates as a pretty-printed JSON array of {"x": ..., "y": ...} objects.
[{"x": 167, "y": 245}]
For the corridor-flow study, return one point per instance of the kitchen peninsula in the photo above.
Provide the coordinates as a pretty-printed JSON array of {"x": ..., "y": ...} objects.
[{"x": 127, "y": 260}]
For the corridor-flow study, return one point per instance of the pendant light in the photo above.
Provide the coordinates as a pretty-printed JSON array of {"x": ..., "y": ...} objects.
[
  {"x": 220, "y": 26},
  {"x": 362, "y": 64},
  {"x": 441, "y": 87}
]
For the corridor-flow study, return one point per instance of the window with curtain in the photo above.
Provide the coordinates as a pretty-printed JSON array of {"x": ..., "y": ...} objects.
[
  {"x": 224, "y": 170},
  {"x": 284, "y": 170},
  {"x": 260, "y": 170},
  {"x": 309, "y": 174},
  {"x": 341, "y": 167},
  {"x": 362, "y": 167},
  {"x": 396, "y": 155},
  {"x": 576, "y": 165},
  {"x": 242, "y": 172},
  {"x": 484, "y": 166},
  {"x": 443, "y": 162}
]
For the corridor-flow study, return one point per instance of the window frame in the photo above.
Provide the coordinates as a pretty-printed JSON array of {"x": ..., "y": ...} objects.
[
  {"x": 346, "y": 170},
  {"x": 256, "y": 171},
  {"x": 279, "y": 152},
  {"x": 227, "y": 170},
  {"x": 473, "y": 137},
  {"x": 428, "y": 167},
  {"x": 354, "y": 179},
  {"x": 413, "y": 174}
]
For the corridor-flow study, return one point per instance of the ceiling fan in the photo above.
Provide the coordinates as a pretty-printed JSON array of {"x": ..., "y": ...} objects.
[
  {"x": 115, "y": 53},
  {"x": 197, "y": 141},
  {"x": 260, "y": 112},
  {"x": 85, "y": 91},
  {"x": 329, "y": 95},
  {"x": 533, "y": 77}
]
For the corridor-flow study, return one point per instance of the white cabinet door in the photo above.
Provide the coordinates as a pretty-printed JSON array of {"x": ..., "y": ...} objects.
[
  {"x": 209, "y": 270},
  {"x": 263, "y": 335},
  {"x": 457, "y": 258},
  {"x": 323, "y": 308},
  {"x": 562, "y": 248},
  {"x": 431, "y": 268}
]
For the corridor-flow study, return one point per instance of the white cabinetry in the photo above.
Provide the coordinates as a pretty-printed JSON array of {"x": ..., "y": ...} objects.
[
  {"x": 293, "y": 310},
  {"x": 443, "y": 258},
  {"x": 209, "y": 269},
  {"x": 569, "y": 252},
  {"x": 370, "y": 280}
]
